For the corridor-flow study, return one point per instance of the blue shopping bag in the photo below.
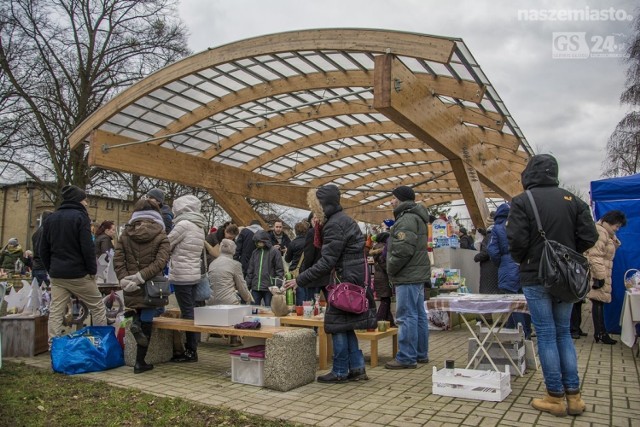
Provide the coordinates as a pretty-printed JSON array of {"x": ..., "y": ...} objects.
[{"x": 91, "y": 349}]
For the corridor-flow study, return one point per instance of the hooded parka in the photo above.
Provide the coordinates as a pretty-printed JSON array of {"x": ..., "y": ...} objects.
[
  {"x": 343, "y": 251},
  {"x": 601, "y": 260},
  {"x": 565, "y": 218},
  {"x": 142, "y": 247}
]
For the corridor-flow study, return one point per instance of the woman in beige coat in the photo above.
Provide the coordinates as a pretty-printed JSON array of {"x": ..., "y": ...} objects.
[
  {"x": 601, "y": 260},
  {"x": 225, "y": 275}
]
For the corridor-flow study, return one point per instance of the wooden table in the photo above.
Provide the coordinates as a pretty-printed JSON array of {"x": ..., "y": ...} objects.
[
  {"x": 326, "y": 345},
  {"x": 187, "y": 325}
]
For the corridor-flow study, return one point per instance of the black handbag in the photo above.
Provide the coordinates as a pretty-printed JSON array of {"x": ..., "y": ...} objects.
[
  {"x": 564, "y": 272},
  {"x": 157, "y": 291}
]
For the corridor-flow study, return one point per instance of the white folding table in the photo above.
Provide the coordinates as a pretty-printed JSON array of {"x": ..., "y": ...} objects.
[{"x": 501, "y": 306}]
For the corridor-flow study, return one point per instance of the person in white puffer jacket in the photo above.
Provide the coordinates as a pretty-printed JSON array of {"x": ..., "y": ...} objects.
[{"x": 187, "y": 243}]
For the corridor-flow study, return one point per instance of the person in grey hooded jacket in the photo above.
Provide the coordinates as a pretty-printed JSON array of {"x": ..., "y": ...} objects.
[
  {"x": 265, "y": 267},
  {"x": 225, "y": 276}
]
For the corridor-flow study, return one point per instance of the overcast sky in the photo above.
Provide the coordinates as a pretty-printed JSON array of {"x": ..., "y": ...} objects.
[{"x": 566, "y": 107}]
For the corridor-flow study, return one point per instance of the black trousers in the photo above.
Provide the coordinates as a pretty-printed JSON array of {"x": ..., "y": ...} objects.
[
  {"x": 597, "y": 313},
  {"x": 576, "y": 317}
]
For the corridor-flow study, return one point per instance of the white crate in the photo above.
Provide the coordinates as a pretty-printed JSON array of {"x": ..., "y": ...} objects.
[
  {"x": 246, "y": 369},
  {"x": 504, "y": 363},
  {"x": 220, "y": 315},
  {"x": 515, "y": 349},
  {"x": 472, "y": 384}
]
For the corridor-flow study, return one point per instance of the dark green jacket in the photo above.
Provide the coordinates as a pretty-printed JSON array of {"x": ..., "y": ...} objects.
[{"x": 407, "y": 256}]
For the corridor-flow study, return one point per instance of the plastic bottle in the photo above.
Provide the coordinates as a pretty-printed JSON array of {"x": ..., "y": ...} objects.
[{"x": 454, "y": 242}]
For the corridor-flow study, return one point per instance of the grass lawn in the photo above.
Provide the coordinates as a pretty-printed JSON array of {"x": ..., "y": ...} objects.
[{"x": 35, "y": 397}]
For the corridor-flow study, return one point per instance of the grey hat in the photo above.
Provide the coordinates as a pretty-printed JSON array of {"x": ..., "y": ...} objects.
[
  {"x": 13, "y": 241},
  {"x": 404, "y": 193},
  {"x": 227, "y": 247},
  {"x": 157, "y": 194}
]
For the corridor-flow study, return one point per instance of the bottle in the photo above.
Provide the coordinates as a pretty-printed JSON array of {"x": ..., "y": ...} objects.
[
  {"x": 291, "y": 299},
  {"x": 454, "y": 242}
]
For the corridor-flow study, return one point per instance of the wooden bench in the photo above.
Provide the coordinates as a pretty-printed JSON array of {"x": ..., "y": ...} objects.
[
  {"x": 325, "y": 344},
  {"x": 290, "y": 352},
  {"x": 187, "y": 325},
  {"x": 374, "y": 337}
]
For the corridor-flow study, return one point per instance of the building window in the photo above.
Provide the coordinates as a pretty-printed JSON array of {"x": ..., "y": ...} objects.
[
  {"x": 109, "y": 204},
  {"x": 125, "y": 207},
  {"x": 93, "y": 203}
]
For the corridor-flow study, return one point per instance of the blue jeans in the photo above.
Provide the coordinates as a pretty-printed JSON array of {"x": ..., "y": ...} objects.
[
  {"x": 555, "y": 346},
  {"x": 258, "y": 296},
  {"x": 411, "y": 318},
  {"x": 346, "y": 353},
  {"x": 523, "y": 318},
  {"x": 185, "y": 294}
]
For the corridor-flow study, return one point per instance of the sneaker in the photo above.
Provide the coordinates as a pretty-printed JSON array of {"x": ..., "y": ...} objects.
[
  {"x": 332, "y": 378},
  {"x": 394, "y": 364},
  {"x": 358, "y": 375},
  {"x": 423, "y": 360},
  {"x": 187, "y": 357}
]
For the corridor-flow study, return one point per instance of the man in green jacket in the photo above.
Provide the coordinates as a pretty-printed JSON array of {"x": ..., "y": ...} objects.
[{"x": 409, "y": 269}]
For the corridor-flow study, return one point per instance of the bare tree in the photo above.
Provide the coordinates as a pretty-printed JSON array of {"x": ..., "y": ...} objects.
[
  {"x": 62, "y": 59},
  {"x": 623, "y": 147}
]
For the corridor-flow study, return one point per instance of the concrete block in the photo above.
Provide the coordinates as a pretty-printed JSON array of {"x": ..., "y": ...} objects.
[
  {"x": 290, "y": 359},
  {"x": 160, "y": 347}
]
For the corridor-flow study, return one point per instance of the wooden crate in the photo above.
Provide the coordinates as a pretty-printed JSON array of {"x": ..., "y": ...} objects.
[
  {"x": 472, "y": 384},
  {"x": 24, "y": 336}
]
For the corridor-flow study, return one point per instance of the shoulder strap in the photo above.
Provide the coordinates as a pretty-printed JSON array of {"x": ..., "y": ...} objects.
[{"x": 535, "y": 213}]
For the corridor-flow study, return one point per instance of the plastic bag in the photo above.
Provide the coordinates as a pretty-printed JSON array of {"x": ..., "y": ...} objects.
[
  {"x": 91, "y": 349},
  {"x": 279, "y": 301},
  {"x": 34, "y": 298},
  {"x": 16, "y": 300}
]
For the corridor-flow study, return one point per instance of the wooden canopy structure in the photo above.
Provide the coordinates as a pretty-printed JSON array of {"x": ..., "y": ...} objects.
[{"x": 270, "y": 117}]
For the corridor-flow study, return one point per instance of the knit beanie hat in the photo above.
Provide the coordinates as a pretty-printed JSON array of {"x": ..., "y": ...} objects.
[
  {"x": 404, "y": 193},
  {"x": 227, "y": 247},
  {"x": 13, "y": 242},
  {"x": 157, "y": 194},
  {"x": 71, "y": 193}
]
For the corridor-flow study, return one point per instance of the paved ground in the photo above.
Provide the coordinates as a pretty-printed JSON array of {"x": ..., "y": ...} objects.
[{"x": 611, "y": 389}]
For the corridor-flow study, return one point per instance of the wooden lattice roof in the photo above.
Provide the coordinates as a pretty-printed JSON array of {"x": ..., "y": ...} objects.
[{"x": 270, "y": 117}]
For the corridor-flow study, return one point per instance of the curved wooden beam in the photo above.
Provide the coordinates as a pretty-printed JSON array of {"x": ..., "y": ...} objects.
[
  {"x": 434, "y": 169},
  {"x": 430, "y": 48}
]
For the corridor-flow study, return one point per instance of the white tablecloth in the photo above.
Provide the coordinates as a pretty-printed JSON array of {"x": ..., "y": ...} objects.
[
  {"x": 630, "y": 316},
  {"x": 479, "y": 303}
]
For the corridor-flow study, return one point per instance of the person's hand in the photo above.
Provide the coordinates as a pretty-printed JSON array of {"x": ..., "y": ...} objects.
[
  {"x": 291, "y": 284},
  {"x": 136, "y": 278},
  {"x": 127, "y": 285}
]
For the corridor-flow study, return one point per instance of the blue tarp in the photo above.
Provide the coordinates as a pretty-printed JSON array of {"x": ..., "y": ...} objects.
[{"x": 622, "y": 194}]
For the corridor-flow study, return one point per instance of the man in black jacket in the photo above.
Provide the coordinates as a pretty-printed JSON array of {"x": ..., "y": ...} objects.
[
  {"x": 245, "y": 245},
  {"x": 566, "y": 219},
  {"x": 68, "y": 254}
]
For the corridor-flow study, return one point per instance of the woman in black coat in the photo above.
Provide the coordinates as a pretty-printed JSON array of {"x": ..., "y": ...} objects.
[
  {"x": 342, "y": 253},
  {"x": 381, "y": 279}
]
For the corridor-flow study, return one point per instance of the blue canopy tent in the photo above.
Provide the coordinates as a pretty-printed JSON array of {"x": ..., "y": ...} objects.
[{"x": 622, "y": 194}]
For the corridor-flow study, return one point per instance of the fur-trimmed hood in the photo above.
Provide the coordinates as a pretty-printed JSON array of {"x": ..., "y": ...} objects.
[{"x": 324, "y": 202}]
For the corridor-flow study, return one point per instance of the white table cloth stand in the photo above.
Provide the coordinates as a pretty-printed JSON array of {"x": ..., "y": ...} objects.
[
  {"x": 501, "y": 305},
  {"x": 630, "y": 316}
]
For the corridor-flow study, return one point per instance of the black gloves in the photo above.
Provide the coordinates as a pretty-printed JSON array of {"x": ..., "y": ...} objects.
[{"x": 597, "y": 283}]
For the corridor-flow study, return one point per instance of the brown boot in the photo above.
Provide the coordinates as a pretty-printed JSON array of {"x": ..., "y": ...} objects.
[
  {"x": 575, "y": 404},
  {"x": 555, "y": 405}
]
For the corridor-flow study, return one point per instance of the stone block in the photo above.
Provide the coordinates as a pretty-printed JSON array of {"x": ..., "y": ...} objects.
[
  {"x": 290, "y": 359},
  {"x": 160, "y": 347}
]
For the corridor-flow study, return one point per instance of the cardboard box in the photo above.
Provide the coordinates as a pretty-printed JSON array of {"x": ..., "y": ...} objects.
[
  {"x": 247, "y": 365},
  {"x": 220, "y": 315},
  {"x": 264, "y": 320}
]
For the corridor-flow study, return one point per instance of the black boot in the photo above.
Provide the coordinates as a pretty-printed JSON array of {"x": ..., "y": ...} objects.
[
  {"x": 141, "y": 366},
  {"x": 358, "y": 375},
  {"x": 605, "y": 339},
  {"x": 137, "y": 332}
]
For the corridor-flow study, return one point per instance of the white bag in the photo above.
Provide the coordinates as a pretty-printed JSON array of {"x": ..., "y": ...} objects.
[
  {"x": 16, "y": 300},
  {"x": 34, "y": 297}
]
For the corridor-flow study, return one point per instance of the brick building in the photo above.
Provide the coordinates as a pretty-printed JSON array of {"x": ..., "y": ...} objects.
[{"x": 22, "y": 204}]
